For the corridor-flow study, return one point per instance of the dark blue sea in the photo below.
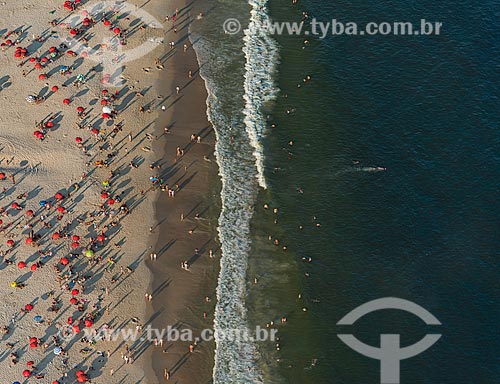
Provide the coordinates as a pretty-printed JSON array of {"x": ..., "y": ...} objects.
[{"x": 393, "y": 178}]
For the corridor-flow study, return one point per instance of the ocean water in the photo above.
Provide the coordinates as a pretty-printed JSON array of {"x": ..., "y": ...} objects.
[{"x": 423, "y": 108}]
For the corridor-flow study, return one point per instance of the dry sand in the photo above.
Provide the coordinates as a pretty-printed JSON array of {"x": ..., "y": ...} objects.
[{"x": 42, "y": 168}]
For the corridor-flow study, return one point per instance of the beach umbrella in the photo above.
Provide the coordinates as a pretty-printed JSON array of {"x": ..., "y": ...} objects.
[
  {"x": 76, "y": 328},
  {"x": 71, "y": 53},
  {"x": 38, "y": 66},
  {"x": 64, "y": 261},
  {"x": 29, "y": 240},
  {"x": 89, "y": 253},
  {"x": 29, "y": 212},
  {"x": 28, "y": 307},
  {"x": 73, "y": 301},
  {"x": 66, "y": 101},
  {"x": 8, "y": 42},
  {"x": 61, "y": 209},
  {"x": 15, "y": 206},
  {"x": 75, "y": 237},
  {"x": 33, "y": 340},
  {"x": 73, "y": 32},
  {"x": 56, "y": 235},
  {"x": 80, "y": 109},
  {"x": 37, "y": 319},
  {"x": 70, "y": 320},
  {"x": 55, "y": 88},
  {"x": 21, "y": 265},
  {"x": 42, "y": 76},
  {"x": 111, "y": 201},
  {"x": 75, "y": 292},
  {"x": 105, "y": 183},
  {"x": 26, "y": 373},
  {"x": 106, "y": 22},
  {"x": 116, "y": 31},
  {"x": 88, "y": 323},
  {"x": 30, "y": 363},
  {"x": 44, "y": 59},
  {"x": 95, "y": 131},
  {"x": 57, "y": 351},
  {"x": 106, "y": 109},
  {"x": 104, "y": 102},
  {"x": 59, "y": 196},
  {"x": 2, "y": 176},
  {"x": 105, "y": 195},
  {"x": 86, "y": 22},
  {"x": 82, "y": 379},
  {"x": 13, "y": 284},
  {"x": 101, "y": 238},
  {"x": 52, "y": 49},
  {"x": 104, "y": 92},
  {"x": 106, "y": 116},
  {"x": 1, "y": 222},
  {"x": 10, "y": 243},
  {"x": 49, "y": 124},
  {"x": 85, "y": 54},
  {"x": 78, "y": 139},
  {"x": 79, "y": 373},
  {"x": 38, "y": 134},
  {"x": 75, "y": 244},
  {"x": 32, "y": 59},
  {"x": 33, "y": 267},
  {"x": 33, "y": 345},
  {"x": 55, "y": 382}
]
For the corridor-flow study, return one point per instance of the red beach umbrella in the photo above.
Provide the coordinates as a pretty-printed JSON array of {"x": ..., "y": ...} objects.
[
  {"x": 80, "y": 109},
  {"x": 30, "y": 363},
  {"x": 70, "y": 53},
  {"x": 75, "y": 292},
  {"x": 33, "y": 345},
  {"x": 42, "y": 76},
  {"x": 79, "y": 373},
  {"x": 56, "y": 235},
  {"x": 8, "y": 42},
  {"x": 105, "y": 195},
  {"x": 34, "y": 267},
  {"x": 10, "y": 243},
  {"x": 101, "y": 238},
  {"x": 106, "y": 22},
  {"x": 111, "y": 201},
  {"x": 75, "y": 238},
  {"x": 104, "y": 102},
  {"x": 52, "y": 49},
  {"x": 2, "y": 176},
  {"x": 15, "y": 205},
  {"x": 59, "y": 196},
  {"x": 75, "y": 244},
  {"x": 28, "y": 307},
  {"x": 76, "y": 328},
  {"x": 29, "y": 240},
  {"x": 66, "y": 101},
  {"x": 73, "y": 301},
  {"x": 33, "y": 340},
  {"x": 55, "y": 88},
  {"x": 64, "y": 261},
  {"x": 88, "y": 323},
  {"x": 38, "y": 66},
  {"x": 44, "y": 59},
  {"x": 70, "y": 320},
  {"x": 116, "y": 31},
  {"x": 26, "y": 373},
  {"x": 29, "y": 212},
  {"x": 95, "y": 131},
  {"x": 49, "y": 124},
  {"x": 106, "y": 116},
  {"x": 32, "y": 59},
  {"x": 73, "y": 32},
  {"x": 61, "y": 209},
  {"x": 78, "y": 139},
  {"x": 104, "y": 91},
  {"x": 21, "y": 265}
]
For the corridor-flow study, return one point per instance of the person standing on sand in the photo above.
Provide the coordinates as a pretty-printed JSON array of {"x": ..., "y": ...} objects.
[{"x": 166, "y": 374}]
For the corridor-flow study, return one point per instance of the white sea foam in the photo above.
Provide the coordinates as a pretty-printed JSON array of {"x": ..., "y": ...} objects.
[{"x": 261, "y": 53}]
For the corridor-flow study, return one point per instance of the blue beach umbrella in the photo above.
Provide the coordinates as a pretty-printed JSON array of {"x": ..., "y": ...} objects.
[
  {"x": 37, "y": 319},
  {"x": 57, "y": 351}
]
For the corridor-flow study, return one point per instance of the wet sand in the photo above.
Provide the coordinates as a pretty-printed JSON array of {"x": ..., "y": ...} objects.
[{"x": 187, "y": 221}]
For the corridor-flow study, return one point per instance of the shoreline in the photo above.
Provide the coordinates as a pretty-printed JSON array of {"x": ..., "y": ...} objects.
[{"x": 180, "y": 295}]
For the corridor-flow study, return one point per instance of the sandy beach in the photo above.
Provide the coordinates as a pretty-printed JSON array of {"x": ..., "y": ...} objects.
[{"x": 96, "y": 194}]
